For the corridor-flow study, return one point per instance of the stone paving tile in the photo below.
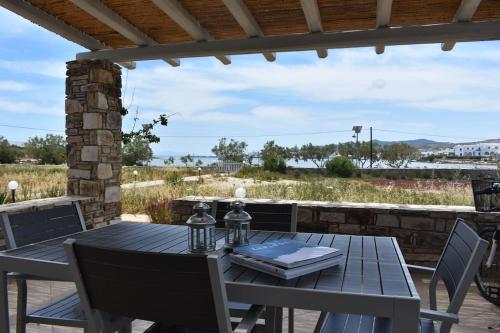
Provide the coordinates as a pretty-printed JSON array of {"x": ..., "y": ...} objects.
[{"x": 475, "y": 315}]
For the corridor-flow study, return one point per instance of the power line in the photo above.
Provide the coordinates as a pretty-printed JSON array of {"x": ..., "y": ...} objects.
[
  {"x": 252, "y": 135},
  {"x": 264, "y": 135},
  {"x": 427, "y": 134},
  {"x": 32, "y": 128}
]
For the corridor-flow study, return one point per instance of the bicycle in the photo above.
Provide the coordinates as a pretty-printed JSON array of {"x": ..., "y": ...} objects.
[{"x": 487, "y": 199}]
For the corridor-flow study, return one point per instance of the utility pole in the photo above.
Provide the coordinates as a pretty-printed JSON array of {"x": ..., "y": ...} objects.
[{"x": 371, "y": 147}]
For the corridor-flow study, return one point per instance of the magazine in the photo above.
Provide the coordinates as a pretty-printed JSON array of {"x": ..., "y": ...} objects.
[
  {"x": 287, "y": 253},
  {"x": 284, "y": 273}
]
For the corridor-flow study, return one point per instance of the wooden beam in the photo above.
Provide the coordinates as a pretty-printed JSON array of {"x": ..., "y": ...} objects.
[
  {"x": 245, "y": 19},
  {"x": 465, "y": 12},
  {"x": 427, "y": 34},
  {"x": 52, "y": 23},
  {"x": 384, "y": 8},
  {"x": 313, "y": 18},
  {"x": 187, "y": 22},
  {"x": 107, "y": 16},
  {"x": 49, "y": 22}
]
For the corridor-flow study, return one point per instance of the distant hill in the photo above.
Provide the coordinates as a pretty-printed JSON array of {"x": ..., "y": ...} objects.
[{"x": 425, "y": 144}]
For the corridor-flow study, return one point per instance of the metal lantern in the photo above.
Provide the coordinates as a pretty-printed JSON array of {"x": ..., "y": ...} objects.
[
  {"x": 237, "y": 223},
  {"x": 201, "y": 230}
]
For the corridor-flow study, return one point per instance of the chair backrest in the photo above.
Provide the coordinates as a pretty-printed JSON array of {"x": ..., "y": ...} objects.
[
  {"x": 459, "y": 262},
  {"x": 32, "y": 227},
  {"x": 265, "y": 216},
  {"x": 171, "y": 289}
]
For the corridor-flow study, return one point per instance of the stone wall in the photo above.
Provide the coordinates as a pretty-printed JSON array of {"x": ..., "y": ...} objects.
[
  {"x": 93, "y": 130},
  {"x": 420, "y": 230},
  {"x": 87, "y": 204}
]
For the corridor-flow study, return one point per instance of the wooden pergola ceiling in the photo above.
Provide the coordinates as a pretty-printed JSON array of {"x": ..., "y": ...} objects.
[{"x": 128, "y": 30}]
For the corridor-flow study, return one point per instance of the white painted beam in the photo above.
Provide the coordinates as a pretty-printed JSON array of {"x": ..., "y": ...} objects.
[
  {"x": 384, "y": 8},
  {"x": 313, "y": 19},
  {"x": 427, "y": 34},
  {"x": 464, "y": 13},
  {"x": 110, "y": 18},
  {"x": 245, "y": 19},
  {"x": 187, "y": 22},
  {"x": 51, "y": 23}
]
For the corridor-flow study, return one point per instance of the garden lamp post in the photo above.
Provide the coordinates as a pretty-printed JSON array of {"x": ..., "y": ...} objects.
[
  {"x": 135, "y": 173},
  {"x": 199, "y": 172},
  {"x": 12, "y": 185}
]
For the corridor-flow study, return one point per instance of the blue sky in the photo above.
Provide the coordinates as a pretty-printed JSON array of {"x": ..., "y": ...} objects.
[{"x": 414, "y": 89}]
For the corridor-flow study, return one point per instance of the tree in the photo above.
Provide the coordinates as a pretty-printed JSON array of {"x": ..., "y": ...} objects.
[
  {"x": 199, "y": 163},
  {"x": 362, "y": 152},
  {"x": 8, "y": 153},
  {"x": 272, "y": 151},
  {"x": 317, "y": 154},
  {"x": 48, "y": 150},
  {"x": 230, "y": 151},
  {"x": 187, "y": 159},
  {"x": 137, "y": 152},
  {"x": 274, "y": 157},
  {"x": 169, "y": 161},
  {"x": 346, "y": 149},
  {"x": 399, "y": 155}
]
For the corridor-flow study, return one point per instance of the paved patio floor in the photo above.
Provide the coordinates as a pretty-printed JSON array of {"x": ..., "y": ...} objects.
[{"x": 475, "y": 315}]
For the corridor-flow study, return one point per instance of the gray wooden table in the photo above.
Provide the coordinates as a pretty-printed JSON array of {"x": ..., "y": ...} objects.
[{"x": 372, "y": 279}]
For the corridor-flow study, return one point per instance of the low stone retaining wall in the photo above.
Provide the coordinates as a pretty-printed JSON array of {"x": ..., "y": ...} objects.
[
  {"x": 91, "y": 210},
  {"x": 420, "y": 230}
]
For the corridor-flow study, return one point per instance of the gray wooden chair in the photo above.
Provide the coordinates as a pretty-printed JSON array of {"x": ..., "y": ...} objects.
[
  {"x": 27, "y": 228},
  {"x": 267, "y": 217},
  {"x": 456, "y": 267},
  {"x": 178, "y": 292}
]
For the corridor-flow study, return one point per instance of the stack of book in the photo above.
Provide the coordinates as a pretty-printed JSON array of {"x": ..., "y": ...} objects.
[{"x": 285, "y": 258}]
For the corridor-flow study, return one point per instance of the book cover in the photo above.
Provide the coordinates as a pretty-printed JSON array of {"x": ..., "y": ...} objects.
[
  {"x": 287, "y": 253},
  {"x": 281, "y": 272}
]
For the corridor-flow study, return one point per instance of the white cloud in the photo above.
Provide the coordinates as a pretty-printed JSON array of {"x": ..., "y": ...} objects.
[
  {"x": 405, "y": 77},
  {"x": 11, "y": 24},
  {"x": 7, "y": 105},
  {"x": 13, "y": 86},
  {"x": 50, "y": 68}
]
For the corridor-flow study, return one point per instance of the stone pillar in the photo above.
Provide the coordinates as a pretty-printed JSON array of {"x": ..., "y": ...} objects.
[{"x": 93, "y": 130}]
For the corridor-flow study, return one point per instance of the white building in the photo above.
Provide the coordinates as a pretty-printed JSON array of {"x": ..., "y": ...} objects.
[
  {"x": 440, "y": 152},
  {"x": 477, "y": 149}
]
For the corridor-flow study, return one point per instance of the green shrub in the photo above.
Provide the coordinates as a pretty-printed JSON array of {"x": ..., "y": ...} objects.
[
  {"x": 275, "y": 165},
  {"x": 340, "y": 166}
]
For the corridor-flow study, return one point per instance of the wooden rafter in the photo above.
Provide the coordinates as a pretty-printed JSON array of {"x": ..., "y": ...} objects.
[
  {"x": 247, "y": 22},
  {"x": 384, "y": 8},
  {"x": 187, "y": 22},
  {"x": 465, "y": 12},
  {"x": 313, "y": 18},
  {"x": 107, "y": 16}
]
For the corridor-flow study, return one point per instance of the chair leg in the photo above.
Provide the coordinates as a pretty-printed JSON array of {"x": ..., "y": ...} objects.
[
  {"x": 22, "y": 298},
  {"x": 270, "y": 319},
  {"x": 279, "y": 320},
  {"x": 290, "y": 320}
]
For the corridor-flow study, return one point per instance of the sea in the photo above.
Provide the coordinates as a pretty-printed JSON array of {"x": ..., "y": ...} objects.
[{"x": 207, "y": 160}]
